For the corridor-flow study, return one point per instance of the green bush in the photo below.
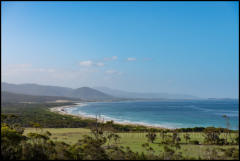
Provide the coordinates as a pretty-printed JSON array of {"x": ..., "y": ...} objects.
[{"x": 195, "y": 142}]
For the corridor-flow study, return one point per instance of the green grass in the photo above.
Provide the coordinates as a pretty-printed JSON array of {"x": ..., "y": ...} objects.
[
  {"x": 67, "y": 135},
  {"x": 134, "y": 140}
]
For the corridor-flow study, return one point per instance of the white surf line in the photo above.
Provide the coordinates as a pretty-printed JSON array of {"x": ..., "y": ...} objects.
[{"x": 61, "y": 110}]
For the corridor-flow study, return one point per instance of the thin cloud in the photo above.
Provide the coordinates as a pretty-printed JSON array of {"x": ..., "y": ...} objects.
[
  {"x": 114, "y": 58},
  {"x": 86, "y": 63},
  {"x": 131, "y": 59},
  {"x": 89, "y": 63},
  {"x": 112, "y": 72},
  {"x": 24, "y": 73},
  {"x": 111, "y": 58},
  {"x": 100, "y": 64},
  {"x": 18, "y": 68}
]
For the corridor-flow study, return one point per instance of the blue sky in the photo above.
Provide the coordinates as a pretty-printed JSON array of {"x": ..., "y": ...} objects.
[{"x": 174, "y": 47}]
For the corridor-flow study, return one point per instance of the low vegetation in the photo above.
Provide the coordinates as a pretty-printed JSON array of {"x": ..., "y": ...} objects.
[
  {"x": 102, "y": 142},
  {"x": 31, "y": 131}
]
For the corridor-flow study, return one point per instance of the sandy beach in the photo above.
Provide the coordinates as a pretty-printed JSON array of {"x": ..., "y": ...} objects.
[{"x": 62, "y": 110}]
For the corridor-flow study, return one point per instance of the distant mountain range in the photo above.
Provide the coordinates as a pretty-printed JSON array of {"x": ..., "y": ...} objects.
[
  {"x": 85, "y": 93},
  {"x": 124, "y": 94},
  {"x": 8, "y": 97}
]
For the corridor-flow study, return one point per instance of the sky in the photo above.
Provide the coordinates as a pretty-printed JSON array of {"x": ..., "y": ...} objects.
[{"x": 174, "y": 47}]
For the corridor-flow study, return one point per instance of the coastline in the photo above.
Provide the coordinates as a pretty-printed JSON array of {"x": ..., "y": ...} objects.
[{"x": 62, "y": 111}]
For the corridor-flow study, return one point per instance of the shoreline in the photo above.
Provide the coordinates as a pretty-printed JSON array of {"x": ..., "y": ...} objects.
[{"x": 61, "y": 110}]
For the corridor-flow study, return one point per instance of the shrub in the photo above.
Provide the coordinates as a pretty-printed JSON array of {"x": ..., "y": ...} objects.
[{"x": 195, "y": 142}]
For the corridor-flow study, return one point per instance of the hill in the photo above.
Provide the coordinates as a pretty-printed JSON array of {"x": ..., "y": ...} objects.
[
  {"x": 8, "y": 97},
  {"x": 89, "y": 94},
  {"x": 85, "y": 93}
]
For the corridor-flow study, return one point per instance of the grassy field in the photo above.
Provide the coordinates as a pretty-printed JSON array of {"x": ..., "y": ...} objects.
[{"x": 134, "y": 140}]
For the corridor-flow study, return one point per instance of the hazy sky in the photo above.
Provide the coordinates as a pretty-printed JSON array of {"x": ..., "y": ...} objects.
[{"x": 175, "y": 47}]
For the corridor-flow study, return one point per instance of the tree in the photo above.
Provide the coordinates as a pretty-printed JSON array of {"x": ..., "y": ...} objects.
[
  {"x": 11, "y": 143},
  {"x": 163, "y": 135},
  {"x": 227, "y": 121},
  {"x": 116, "y": 138},
  {"x": 151, "y": 136},
  {"x": 36, "y": 126},
  {"x": 237, "y": 140},
  {"x": 186, "y": 137},
  {"x": 97, "y": 128},
  {"x": 175, "y": 138},
  {"x": 227, "y": 128},
  {"x": 212, "y": 135},
  {"x": 89, "y": 148}
]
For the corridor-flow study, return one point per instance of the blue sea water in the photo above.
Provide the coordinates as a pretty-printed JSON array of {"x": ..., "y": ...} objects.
[{"x": 170, "y": 114}]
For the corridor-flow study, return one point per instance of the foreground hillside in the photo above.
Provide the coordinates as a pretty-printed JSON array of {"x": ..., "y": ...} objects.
[
  {"x": 101, "y": 141},
  {"x": 134, "y": 140}
]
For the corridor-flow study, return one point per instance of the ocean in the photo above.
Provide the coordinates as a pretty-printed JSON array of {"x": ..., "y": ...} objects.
[{"x": 169, "y": 114}]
